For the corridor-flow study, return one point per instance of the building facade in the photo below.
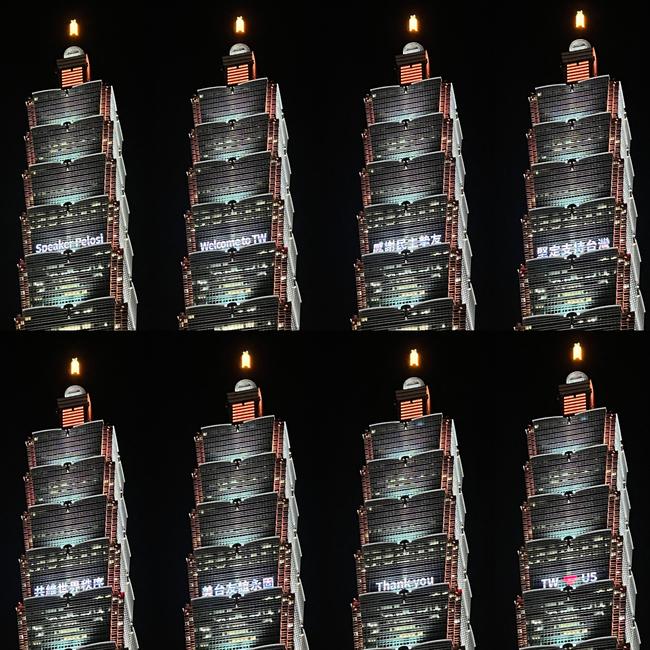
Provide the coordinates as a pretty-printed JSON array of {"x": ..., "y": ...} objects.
[
  {"x": 414, "y": 271},
  {"x": 576, "y": 562},
  {"x": 582, "y": 268},
  {"x": 244, "y": 570},
  {"x": 77, "y": 265},
  {"x": 412, "y": 566},
  {"x": 240, "y": 272},
  {"x": 75, "y": 571}
]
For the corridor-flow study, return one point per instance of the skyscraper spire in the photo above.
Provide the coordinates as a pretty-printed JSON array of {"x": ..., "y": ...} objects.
[
  {"x": 77, "y": 266},
  {"x": 240, "y": 272},
  {"x": 75, "y": 572},
  {"x": 414, "y": 271},
  {"x": 582, "y": 268}
]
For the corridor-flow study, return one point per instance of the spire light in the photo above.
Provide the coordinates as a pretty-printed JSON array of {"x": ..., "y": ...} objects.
[
  {"x": 75, "y": 367},
  {"x": 246, "y": 360},
  {"x": 414, "y": 359},
  {"x": 581, "y": 20},
  {"x": 578, "y": 354},
  {"x": 73, "y": 29},
  {"x": 240, "y": 25},
  {"x": 414, "y": 24}
]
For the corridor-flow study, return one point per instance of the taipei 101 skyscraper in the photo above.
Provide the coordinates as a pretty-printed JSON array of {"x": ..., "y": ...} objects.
[
  {"x": 76, "y": 587},
  {"x": 412, "y": 566},
  {"x": 578, "y": 590},
  {"x": 75, "y": 274},
  {"x": 240, "y": 269},
  {"x": 582, "y": 268},
  {"x": 415, "y": 265},
  {"x": 244, "y": 571}
]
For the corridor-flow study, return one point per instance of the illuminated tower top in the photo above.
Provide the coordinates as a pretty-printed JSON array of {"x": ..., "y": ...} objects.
[
  {"x": 413, "y": 64},
  {"x": 74, "y": 67},
  {"x": 239, "y": 65},
  {"x": 580, "y": 62}
]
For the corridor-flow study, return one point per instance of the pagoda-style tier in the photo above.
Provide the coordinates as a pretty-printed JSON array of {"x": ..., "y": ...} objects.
[
  {"x": 264, "y": 314},
  {"x": 583, "y": 559},
  {"x": 227, "y": 278},
  {"x": 57, "y": 280},
  {"x": 422, "y": 615},
  {"x": 591, "y": 611},
  {"x": 396, "y": 280},
  {"x": 253, "y": 620},
  {"x": 432, "y": 315}
]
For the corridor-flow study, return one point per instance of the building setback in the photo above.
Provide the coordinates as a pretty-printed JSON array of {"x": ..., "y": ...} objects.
[
  {"x": 414, "y": 271},
  {"x": 244, "y": 571},
  {"x": 240, "y": 272},
  {"x": 75, "y": 572},
  {"x": 411, "y": 569},
  {"x": 582, "y": 268},
  {"x": 77, "y": 266},
  {"x": 576, "y": 562}
]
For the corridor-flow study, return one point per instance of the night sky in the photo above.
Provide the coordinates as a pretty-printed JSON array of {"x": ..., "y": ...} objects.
[
  {"x": 158, "y": 390},
  {"x": 325, "y": 57}
]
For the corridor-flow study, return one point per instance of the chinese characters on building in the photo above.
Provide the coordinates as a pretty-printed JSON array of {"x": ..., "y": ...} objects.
[
  {"x": 241, "y": 587},
  {"x": 411, "y": 244},
  {"x": 72, "y": 587},
  {"x": 574, "y": 248}
]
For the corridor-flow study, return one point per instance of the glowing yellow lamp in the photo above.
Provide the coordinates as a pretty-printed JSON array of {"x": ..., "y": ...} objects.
[
  {"x": 246, "y": 360},
  {"x": 577, "y": 352},
  {"x": 75, "y": 367},
  {"x": 414, "y": 359}
]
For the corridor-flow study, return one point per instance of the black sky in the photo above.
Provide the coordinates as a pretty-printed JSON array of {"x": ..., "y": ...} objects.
[
  {"x": 158, "y": 390},
  {"x": 325, "y": 57}
]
